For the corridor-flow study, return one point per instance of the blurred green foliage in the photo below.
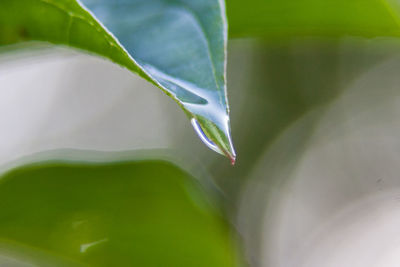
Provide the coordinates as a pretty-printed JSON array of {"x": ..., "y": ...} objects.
[
  {"x": 145, "y": 213},
  {"x": 333, "y": 18}
]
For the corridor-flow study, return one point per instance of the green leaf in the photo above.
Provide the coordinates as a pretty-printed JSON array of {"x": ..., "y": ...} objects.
[
  {"x": 332, "y": 18},
  {"x": 178, "y": 45},
  {"x": 137, "y": 213}
]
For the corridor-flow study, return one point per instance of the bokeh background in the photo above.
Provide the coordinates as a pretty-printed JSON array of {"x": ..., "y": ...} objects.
[{"x": 314, "y": 121}]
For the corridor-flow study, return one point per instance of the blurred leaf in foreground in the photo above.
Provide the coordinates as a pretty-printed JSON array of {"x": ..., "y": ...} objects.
[
  {"x": 180, "y": 46},
  {"x": 332, "y": 18},
  {"x": 144, "y": 213}
]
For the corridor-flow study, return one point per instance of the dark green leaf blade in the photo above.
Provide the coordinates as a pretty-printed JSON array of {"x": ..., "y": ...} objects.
[{"x": 180, "y": 46}]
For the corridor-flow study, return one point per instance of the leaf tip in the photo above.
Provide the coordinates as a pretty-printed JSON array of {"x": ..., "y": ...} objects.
[{"x": 232, "y": 159}]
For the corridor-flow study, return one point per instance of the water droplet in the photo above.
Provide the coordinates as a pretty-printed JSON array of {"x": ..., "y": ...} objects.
[
  {"x": 204, "y": 137},
  {"x": 203, "y": 102}
]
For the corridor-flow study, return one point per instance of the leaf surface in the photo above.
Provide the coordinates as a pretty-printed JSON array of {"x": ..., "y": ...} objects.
[{"x": 178, "y": 45}]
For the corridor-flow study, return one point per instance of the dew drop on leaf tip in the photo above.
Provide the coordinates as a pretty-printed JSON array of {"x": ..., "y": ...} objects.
[
  {"x": 210, "y": 144},
  {"x": 204, "y": 137}
]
